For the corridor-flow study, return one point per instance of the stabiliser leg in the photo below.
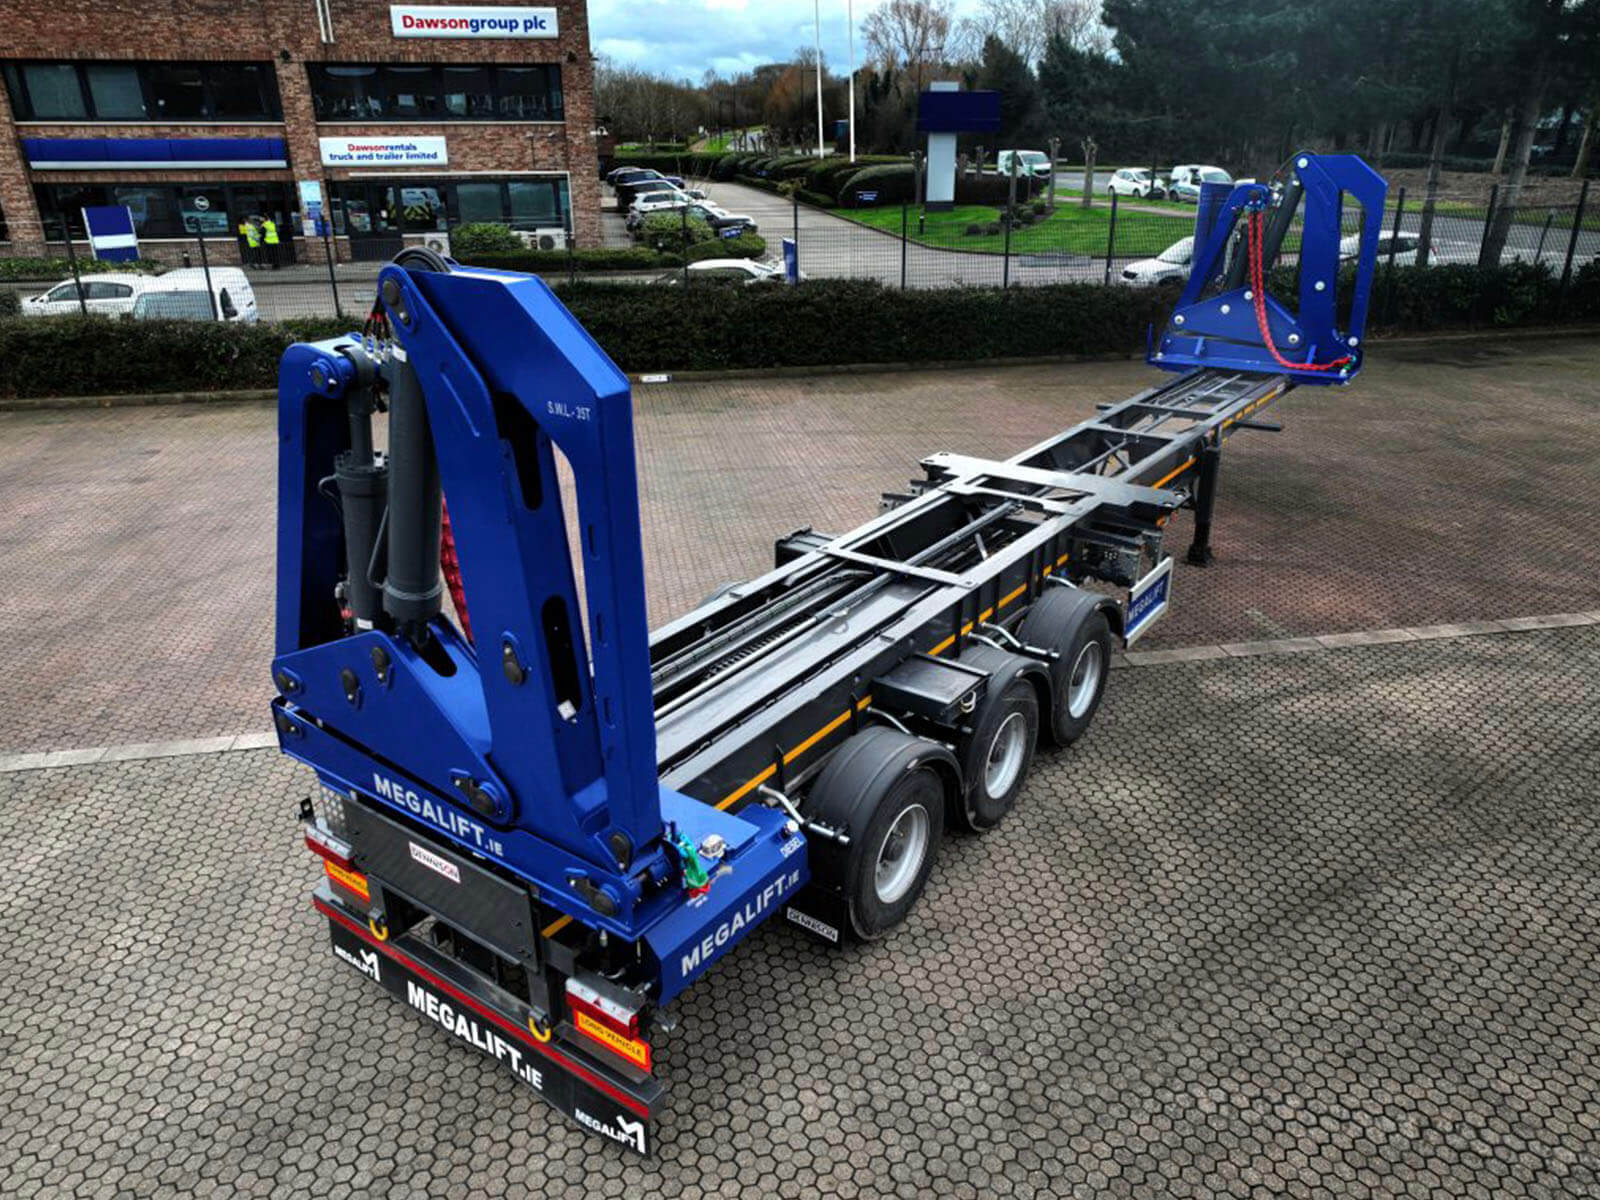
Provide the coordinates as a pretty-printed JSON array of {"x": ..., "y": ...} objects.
[{"x": 1205, "y": 500}]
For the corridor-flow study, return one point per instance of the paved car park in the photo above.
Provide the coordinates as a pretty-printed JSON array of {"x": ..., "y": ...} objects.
[{"x": 1296, "y": 918}]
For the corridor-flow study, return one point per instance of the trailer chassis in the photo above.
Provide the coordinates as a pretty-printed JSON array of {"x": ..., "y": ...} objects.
[{"x": 540, "y": 836}]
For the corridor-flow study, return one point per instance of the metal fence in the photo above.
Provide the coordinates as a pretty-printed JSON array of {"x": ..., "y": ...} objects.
[
  {"x": 1109, "y": 240},
  {"x": 1134, "y": 241}
]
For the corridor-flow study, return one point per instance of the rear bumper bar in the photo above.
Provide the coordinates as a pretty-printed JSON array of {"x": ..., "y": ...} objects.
[{"x": 496, "y": 1025}]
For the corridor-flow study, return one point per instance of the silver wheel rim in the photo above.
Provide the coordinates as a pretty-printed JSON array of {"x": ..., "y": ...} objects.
[
  {"x": 900, "y": 857},
  {"x": 1006, "y": 753},
  {"x": 1085, "y": 682}
]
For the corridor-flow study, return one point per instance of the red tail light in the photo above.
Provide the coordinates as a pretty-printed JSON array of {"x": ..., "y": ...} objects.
[
  {"x": 323, "y": 844},
  {"x": 585, "y": 999}
]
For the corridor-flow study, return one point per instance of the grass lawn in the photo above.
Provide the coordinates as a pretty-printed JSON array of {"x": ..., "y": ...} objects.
[{"x": 1071, "y": 229}]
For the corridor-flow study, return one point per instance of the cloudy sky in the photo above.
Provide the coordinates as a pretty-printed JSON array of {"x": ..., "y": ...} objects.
[{"x": 681, "y": 38}]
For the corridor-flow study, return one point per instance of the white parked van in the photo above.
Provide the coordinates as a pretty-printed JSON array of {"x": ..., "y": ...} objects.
[
  {"x": 181, "y": 295},
  {"x": 1029, "y": 162}
]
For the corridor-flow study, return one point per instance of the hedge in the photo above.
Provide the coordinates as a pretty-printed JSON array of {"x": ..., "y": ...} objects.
[
  {"x": 586, "y": 258},
  {"x": 824, "y": 322},
  {"x": 894, "y": 183},
  {"x": 53, "y": 270},
  {"x": 746, "y": 245}
]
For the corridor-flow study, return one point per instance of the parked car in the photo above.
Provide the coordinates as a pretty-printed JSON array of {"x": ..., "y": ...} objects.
[
  {"x": 1171, "y": 263},
  {"x": 1184, "y": 182},
  {"x": 745, "y": 271},
  {"x": 669, "y": 200},
  {"x": 627, "y": 189},
  {"x": 1440, "y": 250},
  {"x": 110, "y": 294},
  {"x": 1136, "y": 181},
  {"x": 721, "y": 219},
  {"x": 181, "y": 295},
  {"x": 1029, "y": 162}
]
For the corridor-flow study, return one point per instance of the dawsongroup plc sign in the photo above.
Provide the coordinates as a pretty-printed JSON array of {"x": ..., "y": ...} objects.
[{"x": 457, "y": 21}]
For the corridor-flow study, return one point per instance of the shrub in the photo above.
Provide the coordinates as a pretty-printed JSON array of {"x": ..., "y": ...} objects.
[
  {"x": 482, "y": 237},
  {"x": 1027, "y": 217},
  {"x": 816, "y": 199},
  {"x": 894, "y": 183},
  {"x": 54, "y": 270},
  {"x": 992, "y": 228},
  {"x": 1038, "y": 208},
  {"x": 10, "y": 304},
  {"x": 746, "y": 245},
  {"x": 973, "y": 229},
  {"x": 991, "y": 190},
  {"x": 645, "y": 328},
  {"x": 670, "y": 232},
  {"x": 588, "y": 258}
]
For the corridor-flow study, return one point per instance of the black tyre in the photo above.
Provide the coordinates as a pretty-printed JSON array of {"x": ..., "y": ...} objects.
[
  {"x": 897, "y": 852},
  {"x": 887, "y": 790},
  {"x": 996, "y": 755},
  {"x": 1071, "y": 624}
]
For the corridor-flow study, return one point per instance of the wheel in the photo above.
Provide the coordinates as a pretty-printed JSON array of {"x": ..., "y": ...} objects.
[
  {"x": 1071, "y": 623},
  {"x": 897, "y": 853},
  {"x": 1084, "y": 682},
  {"x": 996, "y": 755},
  {"x": 887, "y": 791}
]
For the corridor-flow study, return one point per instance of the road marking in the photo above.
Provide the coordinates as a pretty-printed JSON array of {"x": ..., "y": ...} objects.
[{"x": 44, "y": 760}]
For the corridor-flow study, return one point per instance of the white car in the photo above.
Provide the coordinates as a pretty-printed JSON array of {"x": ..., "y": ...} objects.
[
  {"x": 666, "y": 200},
  {"x": 110, "y": 294},
  {"x": 1029, "y": 162},
  {"x": 1440, "y": 250},
  {"x": 181, "y": 295},
  {"x": 1136, "y": 181},
  {"x": 740, "y": 270},
  {"x": 1184, "y": 182},
  {"x": 1171, "y": 263}
]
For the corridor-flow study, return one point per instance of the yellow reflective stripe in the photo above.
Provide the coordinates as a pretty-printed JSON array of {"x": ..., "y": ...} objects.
[
  {"x": 555, "y": 926},
  {"x": 749, "y": 786}
]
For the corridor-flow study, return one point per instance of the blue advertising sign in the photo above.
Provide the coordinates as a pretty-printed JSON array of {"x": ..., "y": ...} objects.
[
  {"x": 111, "y": 233},
  {"x": 791, "y": 261},
  {"x": 866, "y": 197},
  {"x": 958, "y": 112}
]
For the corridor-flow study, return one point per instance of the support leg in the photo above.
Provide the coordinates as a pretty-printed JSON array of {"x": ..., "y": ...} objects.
[{"x": 1205, "y": 499}]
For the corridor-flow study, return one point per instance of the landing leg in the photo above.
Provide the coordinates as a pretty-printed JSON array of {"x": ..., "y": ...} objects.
[{"x": 1205, "y": 499}]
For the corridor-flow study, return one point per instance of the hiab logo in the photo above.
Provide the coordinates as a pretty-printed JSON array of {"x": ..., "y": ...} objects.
[{"x": 629, "y": 1133}]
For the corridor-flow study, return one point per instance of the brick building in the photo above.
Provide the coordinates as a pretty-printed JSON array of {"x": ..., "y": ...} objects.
[{"x": 400, "y": 121}]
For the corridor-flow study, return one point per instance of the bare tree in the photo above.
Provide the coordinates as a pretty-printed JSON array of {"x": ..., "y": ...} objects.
[
  {"x": 1027, "y": 26},
  {"x": 909, "y": 35}
]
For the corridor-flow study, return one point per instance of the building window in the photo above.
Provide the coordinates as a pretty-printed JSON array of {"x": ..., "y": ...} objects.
[
  {"x": 360, "y": 92},
  {"x": 53, "y": 91},
  {"x": 365, "y": 207},
  {"x": 102, "y": 91},
  {"x": 116, "y": 92},
  {"x": 469, "y": 93},
  {"x": 167, "y": 210}
]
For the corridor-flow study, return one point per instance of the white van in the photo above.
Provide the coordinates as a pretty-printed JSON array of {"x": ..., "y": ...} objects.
[
  {"x": 1029, "y": 162},
  {"x": 181, "y": 295}
]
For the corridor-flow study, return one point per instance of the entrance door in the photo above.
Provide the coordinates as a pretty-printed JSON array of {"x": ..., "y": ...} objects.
[{"x": 370, "y": 213}]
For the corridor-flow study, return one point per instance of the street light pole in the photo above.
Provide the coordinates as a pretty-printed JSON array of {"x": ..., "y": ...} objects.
[
  {"x": 816, "y": 9},
  {"x": 850, "y": 16}
]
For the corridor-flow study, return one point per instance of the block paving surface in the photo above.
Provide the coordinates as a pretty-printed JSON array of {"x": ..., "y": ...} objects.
[
  {"x": 1336, "y": 937},
  {"x": 1296, "y": 923},
  {"x": 1449, "y": 484}
]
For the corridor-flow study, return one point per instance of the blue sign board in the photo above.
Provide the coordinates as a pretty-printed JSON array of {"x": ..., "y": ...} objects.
[
  {"x": 111, "y": 232},
  {"x": 149, "y": 154},
  {"x": 866, "y": 197},
  {"x": 958, "y": 112},
  {"x": 791, "y": 261}
]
